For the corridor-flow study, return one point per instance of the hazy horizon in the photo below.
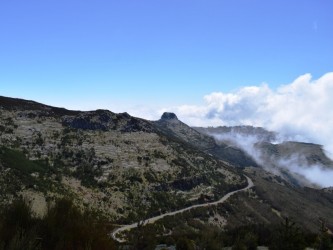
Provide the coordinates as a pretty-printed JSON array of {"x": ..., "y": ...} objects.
[{"x": 213, "y": 63}]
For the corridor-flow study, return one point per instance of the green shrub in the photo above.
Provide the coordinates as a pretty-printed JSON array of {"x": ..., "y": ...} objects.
[
  {"x": 15, "y": 159},
  {"x": 67, "y": 227}
]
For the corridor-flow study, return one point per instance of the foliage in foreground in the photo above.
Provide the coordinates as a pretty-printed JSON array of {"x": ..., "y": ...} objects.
[
  {"x": 63, "y": 227},
  {"x": 66, "y": 227},
  {"x": 286, "y": 236}
]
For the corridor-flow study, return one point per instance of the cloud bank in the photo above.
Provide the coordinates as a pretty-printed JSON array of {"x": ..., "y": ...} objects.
[
  {"x": 296, "y": 163},
  {"x": 301, "y": 110}
]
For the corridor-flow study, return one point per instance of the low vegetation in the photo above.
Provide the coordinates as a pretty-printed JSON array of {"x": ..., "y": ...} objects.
[
  {"x": 63, "y": 227},
  {"x": 193, "y": 234}
]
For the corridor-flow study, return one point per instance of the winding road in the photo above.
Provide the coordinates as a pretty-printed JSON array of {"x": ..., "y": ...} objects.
[{"x": 156, "y": 218}]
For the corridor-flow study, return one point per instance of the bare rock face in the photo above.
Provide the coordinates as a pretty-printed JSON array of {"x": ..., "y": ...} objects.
[
  {"x": 169, "y": 116},
  {"x": 170, "y": 125},
  {"x": 97, "y": 120},
  {"x": 105, "y": 120}
]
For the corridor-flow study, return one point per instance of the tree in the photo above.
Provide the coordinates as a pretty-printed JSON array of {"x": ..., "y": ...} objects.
[
  {"x": 143, "y": 238},
  {"x": 18, "y": 227},
  {"x": 289, "y": 237},
  {"x": 184, "y": 244},
  {"x": 66, "y": 227},
  {"x": 324, "y": 241}
]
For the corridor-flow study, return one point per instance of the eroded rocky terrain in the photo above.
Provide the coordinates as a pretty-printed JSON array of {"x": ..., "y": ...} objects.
[{"x": 125, "y": 168}]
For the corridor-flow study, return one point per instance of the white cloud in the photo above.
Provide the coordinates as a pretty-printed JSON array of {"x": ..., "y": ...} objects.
[
  {"x": 317, "y": 175},
  {"x": 295, "y": 164},
  {"x": 301, "y": 110}
]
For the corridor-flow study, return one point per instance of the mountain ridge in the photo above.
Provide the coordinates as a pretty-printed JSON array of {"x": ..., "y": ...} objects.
[
  {"x": 127, "y": 169},
  {"x": 105, "y": 150}
]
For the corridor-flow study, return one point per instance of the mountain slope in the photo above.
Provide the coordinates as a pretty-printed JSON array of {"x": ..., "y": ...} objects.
[
  {"x": 291, "y": 160},
  {"x": 128, "y": 169},
  {"x": 171, "y": 126},
  {"x": 124, "y": 167}
]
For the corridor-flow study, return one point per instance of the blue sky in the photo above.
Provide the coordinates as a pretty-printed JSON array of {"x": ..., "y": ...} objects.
[
  {"x": 264, "y": 63},
  {"x": 157, "y": 53}
]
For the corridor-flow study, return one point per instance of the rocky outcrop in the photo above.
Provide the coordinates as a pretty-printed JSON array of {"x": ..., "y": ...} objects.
[
  {"x": 105, "y": 120},
  {"x": 96, "y": 120},
  {"x": 169, "y": 116}
]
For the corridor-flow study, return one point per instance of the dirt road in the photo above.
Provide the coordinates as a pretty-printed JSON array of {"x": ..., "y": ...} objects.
[{"x": 156, "y": 218}]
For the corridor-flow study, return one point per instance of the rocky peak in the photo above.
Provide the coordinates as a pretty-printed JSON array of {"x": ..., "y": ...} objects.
[{"x": 169, "y": 116}]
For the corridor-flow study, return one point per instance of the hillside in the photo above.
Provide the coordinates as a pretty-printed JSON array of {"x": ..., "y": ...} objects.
[{"x": 126, "y": 169}]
